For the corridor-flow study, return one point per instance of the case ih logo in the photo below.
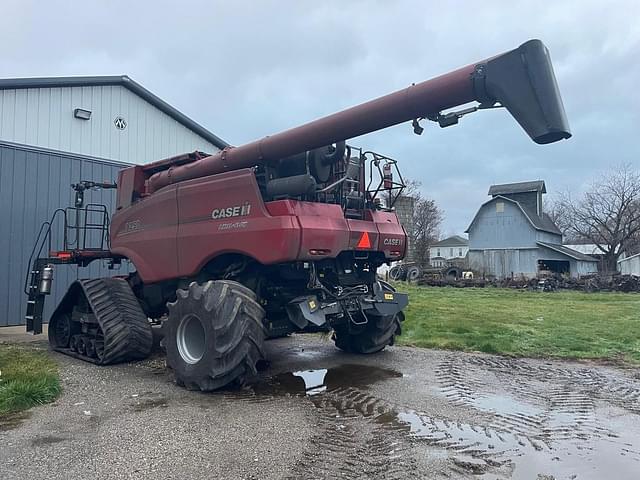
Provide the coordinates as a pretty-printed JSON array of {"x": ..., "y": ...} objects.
[
  {"x": 236, "y": 211},
  {"x": 120, "y": 122},
  {"x": 394, "y": 242}
]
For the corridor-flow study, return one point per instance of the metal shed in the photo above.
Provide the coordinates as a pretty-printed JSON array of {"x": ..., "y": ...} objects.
[
  {"x": 630, "y": 265},
  {"x": 59, "y": 131}
]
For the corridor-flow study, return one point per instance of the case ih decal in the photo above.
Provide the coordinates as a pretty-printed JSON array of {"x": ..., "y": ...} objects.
[{"x": 236, "y": 211}]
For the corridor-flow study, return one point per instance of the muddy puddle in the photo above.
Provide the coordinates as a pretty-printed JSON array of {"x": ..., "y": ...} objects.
[
  {"x": 317, "y": 381},
  {"x": 550, "y": 439}
]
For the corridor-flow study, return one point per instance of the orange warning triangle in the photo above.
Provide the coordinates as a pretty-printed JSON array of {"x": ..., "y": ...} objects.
[{"x": 364, "y": 241}]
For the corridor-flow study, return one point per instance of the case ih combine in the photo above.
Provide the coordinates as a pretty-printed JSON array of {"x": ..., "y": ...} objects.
[{"x": 281, "y": 235}]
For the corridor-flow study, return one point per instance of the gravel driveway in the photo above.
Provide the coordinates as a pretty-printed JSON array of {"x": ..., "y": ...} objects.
[{"x": 319, "y": 413}]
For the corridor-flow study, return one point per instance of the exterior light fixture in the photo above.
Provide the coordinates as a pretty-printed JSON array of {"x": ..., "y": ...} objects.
[{"x": 82, "y": 114}]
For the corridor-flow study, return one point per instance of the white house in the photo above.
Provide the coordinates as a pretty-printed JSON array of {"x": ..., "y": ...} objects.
[{"x": 444, "y": 251}]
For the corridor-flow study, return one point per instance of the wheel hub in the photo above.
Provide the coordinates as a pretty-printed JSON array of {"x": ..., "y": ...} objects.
[{"x": 190, "y": 339}]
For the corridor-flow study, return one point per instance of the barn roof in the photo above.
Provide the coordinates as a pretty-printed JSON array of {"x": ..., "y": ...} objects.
[
  {"x": 519, "y": 187},
  {"x": 539, "y": 222},
  {"x": 569, "y": 252},
  {"x": 114, "y": 80}
]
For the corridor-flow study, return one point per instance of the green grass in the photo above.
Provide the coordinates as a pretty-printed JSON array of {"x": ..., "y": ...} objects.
[
  {"x": 28, "y": 377},
  {"x": 536, "y": 324}
]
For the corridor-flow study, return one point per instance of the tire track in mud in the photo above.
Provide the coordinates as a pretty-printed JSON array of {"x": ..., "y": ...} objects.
[
  {"x": 561, "y": 402},
  {"x": 350, "y": 444},
  {"x": 360, "y": 435},
  {"x": 547, "y": 420},
  {"x": 621, "y": 391},
  {"x": 363, "y": 436},
  {"x": 345, "y": 443}
]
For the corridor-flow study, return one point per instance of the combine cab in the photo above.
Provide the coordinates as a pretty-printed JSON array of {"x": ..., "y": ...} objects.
[{"x": 281, "y": 235}]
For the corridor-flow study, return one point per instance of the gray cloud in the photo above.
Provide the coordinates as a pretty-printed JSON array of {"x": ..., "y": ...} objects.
[{"x": 246, "y": 69}]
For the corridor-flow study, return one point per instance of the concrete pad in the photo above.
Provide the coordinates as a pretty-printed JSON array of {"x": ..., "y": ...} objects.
[{"x": 18, "y": 334}]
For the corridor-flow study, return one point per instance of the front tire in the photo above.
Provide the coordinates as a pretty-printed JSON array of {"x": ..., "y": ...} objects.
[
  {"x": 372, "y": 337},
  {"x": 379, "y": 331},
  {"x": 214, "y": 336}
]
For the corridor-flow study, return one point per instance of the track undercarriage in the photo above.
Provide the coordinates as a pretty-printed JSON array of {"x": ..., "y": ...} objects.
[{"x": 100, "y": 321}]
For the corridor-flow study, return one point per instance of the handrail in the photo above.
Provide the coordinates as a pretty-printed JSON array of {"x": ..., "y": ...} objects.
[{"x": 45, "y": 238}]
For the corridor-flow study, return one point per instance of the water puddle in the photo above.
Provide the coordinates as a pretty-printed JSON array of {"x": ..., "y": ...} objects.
[
  {"x": 313, "y": 380},
  {"x": 527, "y": 442},
  {"x": 505, "y": 405},
  {"x": 317, "y": 381},
  {"x": 480, "y": 450}
]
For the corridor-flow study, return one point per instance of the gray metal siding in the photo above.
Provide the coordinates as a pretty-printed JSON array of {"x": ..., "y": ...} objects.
[
  {"x": 502, "y": 263},
  {"x": 529, "y": 199},
  {"x": 548, "y": 237},
  {"x": 584, "y": 268},
  {"x": 509, "y": 229},
  {"x": 630, "y": 265},
  {"x": 43, "y": 117},
  {"x": 32, "y": 185}
]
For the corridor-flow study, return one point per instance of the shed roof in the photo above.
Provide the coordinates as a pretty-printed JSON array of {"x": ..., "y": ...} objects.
[
  {"x": 113, "y": 80},
  {"x": 454, "y": 241},
  {"x": 519, "y": 187},
  {"x": 539, "y": 222},
  {"x": 569, "y": 252}
]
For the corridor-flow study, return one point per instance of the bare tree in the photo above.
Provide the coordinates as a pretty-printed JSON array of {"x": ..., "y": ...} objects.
[
  {"x": 425, "y": 222},
  {"x": 608, "y": 214},
  {"x": 427, "y": 218},
  {"x": 412, "y": 189}
]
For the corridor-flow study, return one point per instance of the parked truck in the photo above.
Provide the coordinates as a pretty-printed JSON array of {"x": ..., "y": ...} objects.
[{"x": 280, "y": 235}]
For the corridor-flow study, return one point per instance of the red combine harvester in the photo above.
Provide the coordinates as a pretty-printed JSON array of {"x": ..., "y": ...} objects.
[{"x": 281, "y": 235}]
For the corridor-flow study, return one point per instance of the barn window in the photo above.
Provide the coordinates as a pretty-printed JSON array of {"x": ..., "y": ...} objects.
[
  {"x": 499, "y": 207},
  {"x": 459, "y": 252}
]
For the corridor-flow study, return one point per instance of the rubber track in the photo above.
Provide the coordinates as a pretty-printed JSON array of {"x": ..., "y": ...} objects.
[{"x": 126, "y": 329}]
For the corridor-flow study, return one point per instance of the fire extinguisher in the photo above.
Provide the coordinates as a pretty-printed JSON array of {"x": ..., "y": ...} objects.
[{"x": 387, "y": 176}]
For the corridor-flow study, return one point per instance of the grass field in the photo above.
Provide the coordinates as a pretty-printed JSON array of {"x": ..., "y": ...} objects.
[
  {"x": 28, "y": 377},
  {"x": 559, "y": 324}
]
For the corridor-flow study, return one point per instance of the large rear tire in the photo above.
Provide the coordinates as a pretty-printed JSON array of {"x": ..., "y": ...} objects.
[{"x": 214, "y": 336}]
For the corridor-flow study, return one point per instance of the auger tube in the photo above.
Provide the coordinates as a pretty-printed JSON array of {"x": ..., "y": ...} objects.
[{"x": 522, "y": 80}]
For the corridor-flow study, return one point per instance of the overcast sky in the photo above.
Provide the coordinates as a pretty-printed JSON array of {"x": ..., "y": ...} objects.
[{"x": 248, "y": 69}]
